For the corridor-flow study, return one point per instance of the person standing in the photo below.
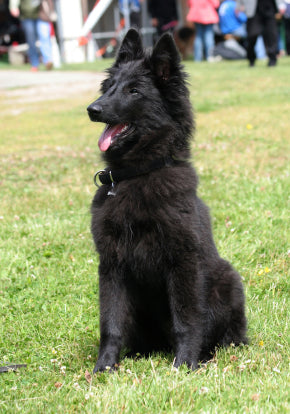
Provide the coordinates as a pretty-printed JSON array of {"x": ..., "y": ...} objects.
[
  {"x": 203, "y": 13},
  {"x": 262, "y": 21},
  {"x": 35, "y": 20},
  {"x": 134, "y": 11},
  {"x": 287, "y": 25},
  {"x": 164, "y": 15}
]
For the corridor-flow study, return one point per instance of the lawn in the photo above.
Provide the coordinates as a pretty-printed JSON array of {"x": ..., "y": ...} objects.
[{"x": 48, "y": 265}]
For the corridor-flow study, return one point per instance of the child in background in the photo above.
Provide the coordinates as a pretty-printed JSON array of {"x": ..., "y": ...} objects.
[
  {"x": 232, "y": 21},
  {"x": 203, "y": 13}
]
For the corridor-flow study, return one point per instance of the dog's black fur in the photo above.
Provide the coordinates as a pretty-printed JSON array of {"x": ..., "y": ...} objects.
[{"x": 163, "y": 285}]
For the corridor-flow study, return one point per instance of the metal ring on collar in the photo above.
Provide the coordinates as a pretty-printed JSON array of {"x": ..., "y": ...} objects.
[
  {"x": 100, "y": 172},
  {"x": 111, "y": 177}
]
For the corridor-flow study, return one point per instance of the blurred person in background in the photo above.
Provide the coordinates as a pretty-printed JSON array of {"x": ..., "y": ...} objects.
[
  {"x": 203, "y": 13},
  {"x": 262, "y": 21},
  {"x": 35, "y": 16},
  {"x": 232, "y": 21},
  {"x": 163, "y": 14},
  {"x": 134, "y": 11},
  {"x": 287, "y": 26}
]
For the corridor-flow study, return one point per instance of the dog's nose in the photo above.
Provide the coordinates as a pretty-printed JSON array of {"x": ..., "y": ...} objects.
[{"x": 94, "y": 109}]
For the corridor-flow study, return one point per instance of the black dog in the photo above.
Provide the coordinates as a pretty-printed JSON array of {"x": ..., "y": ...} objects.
[{"x": 163, "y": 285}]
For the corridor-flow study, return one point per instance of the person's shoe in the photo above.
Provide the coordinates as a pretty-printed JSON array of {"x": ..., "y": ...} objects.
[
  {"x": 49, "y": 65},
  {"x": 213, "y": 59},
  {"x": 272, "y": 62},
  {"x": 34, "y": 69},
  {"x": 251, "y": 64}
]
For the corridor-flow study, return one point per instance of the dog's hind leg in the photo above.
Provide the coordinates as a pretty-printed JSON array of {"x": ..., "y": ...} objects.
[
  {"x": 236, "y": 331},
  {"x": 114, "y": 321},
  {"x": 227, "y": 302}
]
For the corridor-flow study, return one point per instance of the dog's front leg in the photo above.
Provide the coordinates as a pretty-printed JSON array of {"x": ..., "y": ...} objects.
[
  {"x": 186, "y": 321},
  {"x": 114, "y": 320}
]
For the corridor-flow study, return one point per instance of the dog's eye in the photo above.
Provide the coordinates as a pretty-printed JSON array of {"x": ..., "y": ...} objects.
[{"x": 133, "y": 91}]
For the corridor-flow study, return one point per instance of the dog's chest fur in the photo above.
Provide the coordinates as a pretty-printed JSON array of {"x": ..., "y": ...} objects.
[{"x": 134, "y": 228}]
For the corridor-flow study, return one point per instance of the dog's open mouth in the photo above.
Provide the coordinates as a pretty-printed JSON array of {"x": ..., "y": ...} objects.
[{"x": 111, "y": 133}]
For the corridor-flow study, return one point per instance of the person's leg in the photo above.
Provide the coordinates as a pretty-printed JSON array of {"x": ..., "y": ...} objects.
[
  {"x": 198, "y": 42},
  {"x": 208, "y": 40},
  {"x": 287, "y": 35},
  {"x": 43, "y": 33},
  {"x": 254, "y": 29},
  {"x": 251, "y": 54},
  {"x": 29, "y": 27},
  {"x": 270, "y": 36}
]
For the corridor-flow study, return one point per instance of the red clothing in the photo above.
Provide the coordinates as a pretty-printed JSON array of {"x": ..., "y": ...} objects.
[{"x": 203, "y": 11}]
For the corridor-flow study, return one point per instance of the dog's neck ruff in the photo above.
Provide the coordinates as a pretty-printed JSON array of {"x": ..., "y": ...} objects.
[{"x": 108, "y": 176}]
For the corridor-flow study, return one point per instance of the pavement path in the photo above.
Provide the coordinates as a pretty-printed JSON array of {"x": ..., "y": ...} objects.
[{"x": 26, "y": 87}]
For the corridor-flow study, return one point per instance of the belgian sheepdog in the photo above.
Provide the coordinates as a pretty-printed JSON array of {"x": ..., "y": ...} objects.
[{"x": 163, "y": 285}]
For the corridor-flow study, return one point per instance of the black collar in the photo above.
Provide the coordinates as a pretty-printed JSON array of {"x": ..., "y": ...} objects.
[{"x": 108, "y": 176}]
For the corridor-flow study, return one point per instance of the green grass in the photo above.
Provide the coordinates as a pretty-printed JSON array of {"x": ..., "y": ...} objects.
[{"x": 48, "y": 266}]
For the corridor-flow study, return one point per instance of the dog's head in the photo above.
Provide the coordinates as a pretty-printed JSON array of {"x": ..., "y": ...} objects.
[{"x": 144, "y": 100}]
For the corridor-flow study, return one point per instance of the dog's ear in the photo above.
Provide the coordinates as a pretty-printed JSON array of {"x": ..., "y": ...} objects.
[
  {"x": 165, "y": 58},
  {"x": 131, "y": 48}
]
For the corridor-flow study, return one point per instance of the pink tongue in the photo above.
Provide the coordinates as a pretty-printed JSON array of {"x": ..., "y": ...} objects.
[{"x": 109, "y": 133}]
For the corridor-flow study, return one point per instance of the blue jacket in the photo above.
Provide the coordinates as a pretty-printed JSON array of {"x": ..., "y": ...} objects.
[
  {"x": 134, "y": 5},
  {"x": 230, "y": 18}
]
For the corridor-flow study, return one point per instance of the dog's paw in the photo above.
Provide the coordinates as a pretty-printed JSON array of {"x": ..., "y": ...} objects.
[
  {"x": 102, "y": 366},
  {"x": 191, "y": 364}
]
